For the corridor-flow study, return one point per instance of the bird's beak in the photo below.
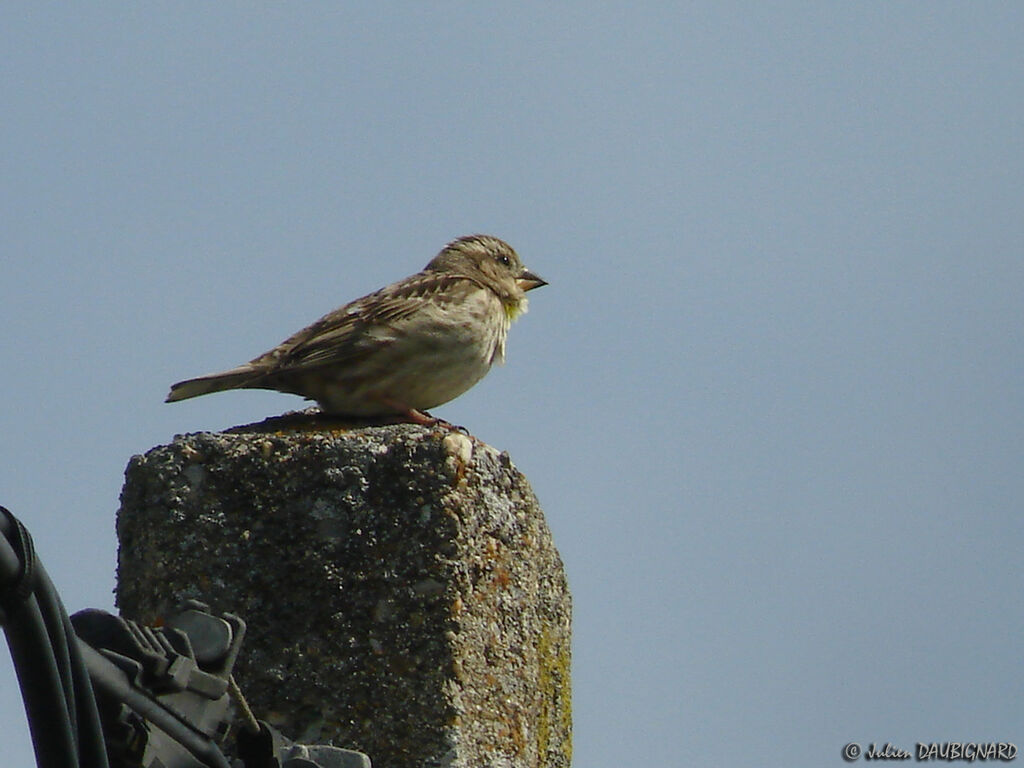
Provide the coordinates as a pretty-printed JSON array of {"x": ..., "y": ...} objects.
[{"x": 528, "y": 281}]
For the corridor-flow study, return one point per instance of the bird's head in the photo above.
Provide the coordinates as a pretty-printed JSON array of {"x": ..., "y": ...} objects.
[{"x": 492, "y": 262}]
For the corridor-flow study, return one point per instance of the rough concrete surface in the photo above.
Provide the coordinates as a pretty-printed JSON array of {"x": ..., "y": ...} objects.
[{"x": 401, "y": 588}]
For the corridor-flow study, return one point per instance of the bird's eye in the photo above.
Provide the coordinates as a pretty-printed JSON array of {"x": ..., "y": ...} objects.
[{"x": 505, "y": 260}]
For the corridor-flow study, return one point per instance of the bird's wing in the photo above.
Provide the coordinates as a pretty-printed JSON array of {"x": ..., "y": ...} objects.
[{"x": 350, "y": 333}]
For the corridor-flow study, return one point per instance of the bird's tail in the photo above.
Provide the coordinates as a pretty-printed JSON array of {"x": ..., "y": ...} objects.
[{"x": 237, "y": 378}]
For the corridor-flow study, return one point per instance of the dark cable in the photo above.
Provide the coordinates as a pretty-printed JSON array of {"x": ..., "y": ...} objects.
[{"x": 55, "y": 686}]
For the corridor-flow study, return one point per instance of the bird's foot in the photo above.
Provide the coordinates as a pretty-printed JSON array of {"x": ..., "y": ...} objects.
[
  {"x": 420, "y": 417},
  {"x": 405, "y": 414},
  {"x": 424, "y": 418}
]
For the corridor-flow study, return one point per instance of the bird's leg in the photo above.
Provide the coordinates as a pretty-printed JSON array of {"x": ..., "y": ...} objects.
[
  {"x": 411, "y": 414},
  {"x": 443, "y": 423},
  {"x": 419, "y": 417},
  {"x": 414, "y": 416}
]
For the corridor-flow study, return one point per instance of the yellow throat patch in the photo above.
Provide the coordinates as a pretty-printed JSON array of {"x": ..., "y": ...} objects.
[{"x": 514, "y": 309}]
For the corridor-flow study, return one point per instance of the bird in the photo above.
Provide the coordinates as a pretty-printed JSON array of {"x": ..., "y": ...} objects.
[{"x": 402, "y": 350}]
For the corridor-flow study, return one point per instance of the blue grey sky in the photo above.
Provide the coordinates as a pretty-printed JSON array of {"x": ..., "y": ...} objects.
[{"x": 772, "y": 401}]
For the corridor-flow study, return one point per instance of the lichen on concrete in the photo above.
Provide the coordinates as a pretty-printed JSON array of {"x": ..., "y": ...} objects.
[{"x": 402, "y": 591}]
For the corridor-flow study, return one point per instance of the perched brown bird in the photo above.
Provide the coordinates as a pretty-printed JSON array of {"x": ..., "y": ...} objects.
[{"x": 413, "y": 345}]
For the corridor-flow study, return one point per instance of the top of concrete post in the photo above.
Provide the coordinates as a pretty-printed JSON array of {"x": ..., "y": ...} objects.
[{"x": 402, "y": 591}]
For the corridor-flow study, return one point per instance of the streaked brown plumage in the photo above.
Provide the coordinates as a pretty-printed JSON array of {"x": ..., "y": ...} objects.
[{"x": 410, "y": 346}]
